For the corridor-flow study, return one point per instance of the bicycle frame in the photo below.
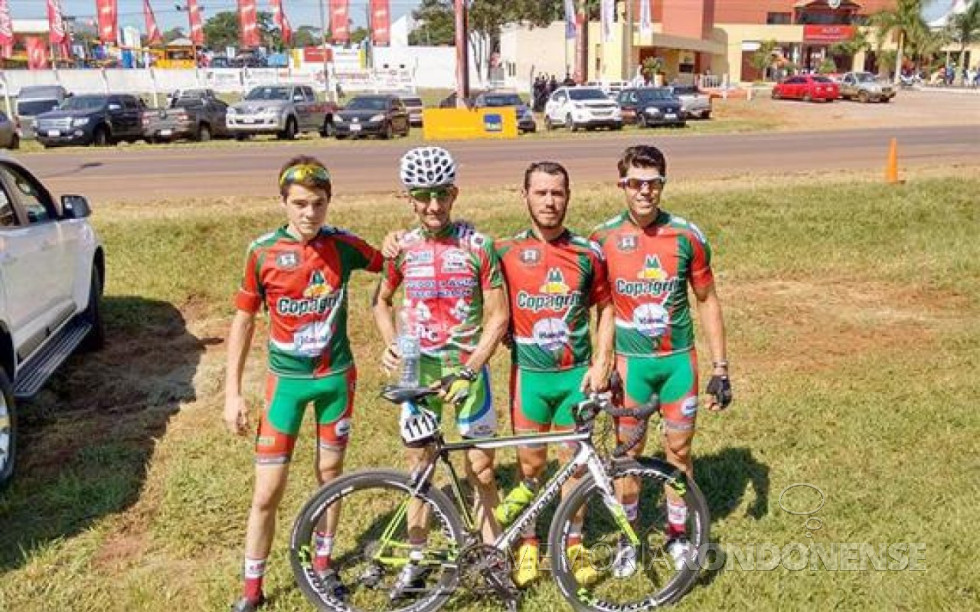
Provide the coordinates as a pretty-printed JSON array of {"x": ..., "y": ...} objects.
[{"x": 585, "y": 456}]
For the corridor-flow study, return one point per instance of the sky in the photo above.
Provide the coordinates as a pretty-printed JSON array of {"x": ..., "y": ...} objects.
[{"x": 300, "y": 12}]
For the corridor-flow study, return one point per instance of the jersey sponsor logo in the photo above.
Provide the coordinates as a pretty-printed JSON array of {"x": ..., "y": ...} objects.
[
  {"x": 554, "y": 283},
  {"x": 652, "y": 270},
  {"x": 287, "y": 260},
  {"x": 454, "y": 260},
  {"x": 690, "y": 407},
  {"x": 530, "y": 257},
  {"x": 318, "y": 297},
  {"x": 420, "y": 271},
  {"x": 628, "y": 243},
  {"x": 420, "y": 257},
  {"x": 551, "y": 334},
  {"x": 461, "y": 310},
  {"x": 653, "y": 280},
  {"x": 651, "y": 320},
  {"x": 265, "y": 441},
  {"x": 554, "y": 294},
  {"x": 442, "y": 288}
]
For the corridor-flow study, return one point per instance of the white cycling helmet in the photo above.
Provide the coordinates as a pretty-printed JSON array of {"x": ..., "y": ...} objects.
[{"x": 427, "y": 167}]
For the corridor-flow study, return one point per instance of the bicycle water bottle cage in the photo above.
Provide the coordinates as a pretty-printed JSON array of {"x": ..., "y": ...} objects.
[{"x": 399, "y": 395}]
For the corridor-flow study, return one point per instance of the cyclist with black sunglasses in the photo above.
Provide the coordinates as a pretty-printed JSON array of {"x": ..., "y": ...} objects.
[
  {"x": 451, "y": 277},
  {"x": 652, "y": 256},
  {"x": 298, "y": 273}
]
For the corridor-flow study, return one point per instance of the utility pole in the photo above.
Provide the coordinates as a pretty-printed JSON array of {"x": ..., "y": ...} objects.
[
  {"x": 462, "y": 55},
  {"x": 582, "y": 43},
  {"x": 323, "y": 38}
]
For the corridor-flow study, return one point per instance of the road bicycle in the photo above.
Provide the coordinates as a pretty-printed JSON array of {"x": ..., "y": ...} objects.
[{"x": 371, "y": 541}]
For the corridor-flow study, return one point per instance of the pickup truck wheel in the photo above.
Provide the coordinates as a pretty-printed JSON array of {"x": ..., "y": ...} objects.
[
  {"x": 884, "y": 100},
  {"x": 15, "y": 141},
  {"x": 95, "y": 339},
  {"x": 389, "y": 132},
  {"x": 204, "y": 133},
  {"x": 290, "y": 132},
  {"x": 863, "y": 97},
  {"x": 8, "y": 430},
  {"x": 100, "y": 137},
  {"x": 706, "y": 115}
]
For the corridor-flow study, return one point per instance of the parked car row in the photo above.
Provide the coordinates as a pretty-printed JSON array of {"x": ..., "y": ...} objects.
[{"x": 860, "y": 86}]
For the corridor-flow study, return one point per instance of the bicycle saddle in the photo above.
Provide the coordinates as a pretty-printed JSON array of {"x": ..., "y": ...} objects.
[{"x": 399, "y": 395}]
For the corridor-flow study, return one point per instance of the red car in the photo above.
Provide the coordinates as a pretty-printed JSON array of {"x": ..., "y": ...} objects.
[{"x": 806, "y": 87}]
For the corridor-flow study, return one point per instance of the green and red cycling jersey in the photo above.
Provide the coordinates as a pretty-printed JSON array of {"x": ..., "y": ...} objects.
[
  {"x": 445, "y": 275},
  {"x": 649, "y": 269},
  {"x": 304, "y": 289},
  {"x": 551, "y": 286}
]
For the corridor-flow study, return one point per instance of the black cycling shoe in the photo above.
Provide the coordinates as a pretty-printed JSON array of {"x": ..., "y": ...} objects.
[
  {"x": 331, "y": 582},
  {"x": 248, "y": 605}
]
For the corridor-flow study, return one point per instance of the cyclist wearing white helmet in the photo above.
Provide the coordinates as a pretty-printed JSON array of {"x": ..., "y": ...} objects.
[{"x": 452, "y": 278}]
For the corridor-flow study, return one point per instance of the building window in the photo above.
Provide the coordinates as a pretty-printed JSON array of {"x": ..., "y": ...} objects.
[{"x": 779, "y": 18}]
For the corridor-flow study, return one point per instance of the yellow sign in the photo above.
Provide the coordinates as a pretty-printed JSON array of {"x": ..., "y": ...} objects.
[{"x": 466, "y": 124}]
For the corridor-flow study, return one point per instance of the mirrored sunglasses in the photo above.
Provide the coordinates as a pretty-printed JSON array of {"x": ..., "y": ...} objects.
[
  {"x": 638, "y": 183},
  {"x": 427, "y": 194},
  {"x": 305, "y": 172}
]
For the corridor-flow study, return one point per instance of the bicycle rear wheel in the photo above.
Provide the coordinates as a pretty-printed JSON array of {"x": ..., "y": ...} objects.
[
  {"x": 655, "y": 580},
  {"x": 371, "y": 544}
]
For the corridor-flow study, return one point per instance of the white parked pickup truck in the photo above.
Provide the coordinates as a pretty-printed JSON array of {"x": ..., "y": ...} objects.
[{"x": 52, "y": 268}]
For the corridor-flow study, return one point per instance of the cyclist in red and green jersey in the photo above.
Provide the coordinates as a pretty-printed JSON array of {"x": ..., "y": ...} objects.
[
  {"x": 554, "y": 277},
  {"x": 652, "y": 257},
  {"x": 299, "y": 274},
  {"x": 451, "y": 277}
]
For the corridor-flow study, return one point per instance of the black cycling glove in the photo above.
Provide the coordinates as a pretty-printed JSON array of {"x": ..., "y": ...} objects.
[{"x": 721, "y": 388}]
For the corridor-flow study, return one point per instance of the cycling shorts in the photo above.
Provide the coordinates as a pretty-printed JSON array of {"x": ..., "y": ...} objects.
[
  {"x": 285, "y": 402},
  {"x": 541, "y": 400},
  {"x": 673, "y": 377},
  {"x": 475, "y": 417}
]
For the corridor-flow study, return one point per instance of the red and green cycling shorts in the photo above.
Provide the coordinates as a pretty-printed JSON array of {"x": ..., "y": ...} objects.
[
  {"x": 673, "y": 377},
  {"x": 285, "y": 403},
  {"x": 542, "y": 401}
]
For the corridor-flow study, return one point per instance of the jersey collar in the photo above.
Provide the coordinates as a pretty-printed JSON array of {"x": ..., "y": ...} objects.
[{"x": 661, "y": 219}]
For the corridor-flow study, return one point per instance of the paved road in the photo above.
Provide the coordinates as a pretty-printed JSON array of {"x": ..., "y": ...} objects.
[{"x": 150, "y": 174}]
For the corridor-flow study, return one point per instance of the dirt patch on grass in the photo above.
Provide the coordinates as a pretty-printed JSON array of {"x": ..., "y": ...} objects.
[{"x": 817, "y": 323}]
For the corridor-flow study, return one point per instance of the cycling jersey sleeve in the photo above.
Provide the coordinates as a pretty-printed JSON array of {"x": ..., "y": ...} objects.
[
  {"x": 250, "y": 296},
  {"x": 490, "y": 275},
  {"x": 392, "y": 272},
  {"x": 360, "y": 255},
  {"x": 600, "y": 292},
  {"x": 701, "y": 275}
]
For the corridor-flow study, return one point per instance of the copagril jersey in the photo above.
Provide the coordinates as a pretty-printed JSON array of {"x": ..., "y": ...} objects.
[
  {"x": 445, "y": 275},
  {"x": 551, "y": 287},
  {"x": 649, "y": 269},
  {"x": 304, "y": 288}
]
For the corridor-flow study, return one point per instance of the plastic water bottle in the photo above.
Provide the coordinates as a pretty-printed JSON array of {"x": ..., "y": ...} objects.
[{"x": 408, "y": 346}]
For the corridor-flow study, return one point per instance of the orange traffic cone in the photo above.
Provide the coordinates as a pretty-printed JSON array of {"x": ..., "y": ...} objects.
[{"x": 891, "y": 169}]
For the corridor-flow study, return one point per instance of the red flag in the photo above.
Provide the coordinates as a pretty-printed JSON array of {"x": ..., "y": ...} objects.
[
  {"x": 340, "y": 21},
  {"x": 56, "y": 25},
  {"x": 153, "y": 36},
  {"x": 6, "y": 31},
  {"x": 108, "y": 14},
  {"x": 197, "y": 27},
  {"x": 380, "y": 21},
  {"x": 37, "y": 53},
  {"x": 279, "y": 18},
  {"x": 248, "y": 25}
]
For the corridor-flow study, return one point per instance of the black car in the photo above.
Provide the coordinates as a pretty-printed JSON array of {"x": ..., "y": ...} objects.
[
  {"x": 372, "y": 115},
  {"x": 93, "y": 119},
  {"x": 499, "y": 99},
  {"x": 649, "y": 106}
]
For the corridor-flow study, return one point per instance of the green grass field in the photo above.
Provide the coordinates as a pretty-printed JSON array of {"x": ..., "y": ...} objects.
[{"x": 853, "y": 311}]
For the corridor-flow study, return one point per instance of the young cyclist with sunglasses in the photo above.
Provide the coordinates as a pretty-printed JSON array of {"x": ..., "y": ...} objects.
[
  {"x": 652, "y": 257},
  {"x": 451, "y": 277},
  {"x": 299, "y": 273}
]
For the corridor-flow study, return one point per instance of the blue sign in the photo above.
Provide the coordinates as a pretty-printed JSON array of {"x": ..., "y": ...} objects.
[{"x": 493, "y": 122}]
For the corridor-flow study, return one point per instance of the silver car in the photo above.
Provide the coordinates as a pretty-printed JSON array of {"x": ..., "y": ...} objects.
[
  {"x": 865, "y": 87},
  {"x": 694, "y": 104}
]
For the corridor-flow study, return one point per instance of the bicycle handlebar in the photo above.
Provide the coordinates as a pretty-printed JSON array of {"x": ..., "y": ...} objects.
[{"x": 587, "y": 411}]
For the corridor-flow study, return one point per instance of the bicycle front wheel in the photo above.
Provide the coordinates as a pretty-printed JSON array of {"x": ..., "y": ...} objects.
[
  {"x": 392, "y": 549},
  {"x": 609, "y": 572}
]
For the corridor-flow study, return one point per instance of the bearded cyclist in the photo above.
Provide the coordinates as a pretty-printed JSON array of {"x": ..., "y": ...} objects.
[
  {"x": 652, "y": 257},
  {"x": 451, "y": 277},
  {"x": 554, "y": 277},
  {"x": 299, "y": 274}
]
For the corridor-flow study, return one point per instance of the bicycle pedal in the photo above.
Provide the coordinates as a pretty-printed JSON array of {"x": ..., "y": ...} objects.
[{"x": 371, "y": 576}]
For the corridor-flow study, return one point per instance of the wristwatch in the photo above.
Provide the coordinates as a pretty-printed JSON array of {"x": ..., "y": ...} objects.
[{"x": 467, "y": 374}]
